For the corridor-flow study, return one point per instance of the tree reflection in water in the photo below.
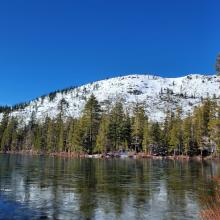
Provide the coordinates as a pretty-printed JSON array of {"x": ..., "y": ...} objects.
[{"x": 62, "y": 188}]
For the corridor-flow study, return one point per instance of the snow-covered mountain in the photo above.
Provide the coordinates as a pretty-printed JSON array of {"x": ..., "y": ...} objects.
[{"x": 156, "y": 93}]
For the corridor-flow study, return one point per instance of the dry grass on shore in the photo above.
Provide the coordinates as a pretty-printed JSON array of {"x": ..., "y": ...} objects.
[{"x": 212, "y": 204}]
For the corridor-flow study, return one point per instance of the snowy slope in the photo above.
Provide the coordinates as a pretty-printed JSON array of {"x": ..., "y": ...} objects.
[{"x": 156, "y": 93}]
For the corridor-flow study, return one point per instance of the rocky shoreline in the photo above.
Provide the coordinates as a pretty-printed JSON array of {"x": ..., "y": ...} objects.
[{"x": 132, "y": 155}]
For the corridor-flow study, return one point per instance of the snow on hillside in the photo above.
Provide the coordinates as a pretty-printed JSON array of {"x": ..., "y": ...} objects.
[{"x": 156, "y": 93}]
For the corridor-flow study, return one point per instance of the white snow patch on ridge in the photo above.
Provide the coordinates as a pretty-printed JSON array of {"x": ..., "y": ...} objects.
[{"x": 156, "y": 93}]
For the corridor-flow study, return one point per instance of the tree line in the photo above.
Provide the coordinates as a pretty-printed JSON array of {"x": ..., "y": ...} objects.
[{"x": 117, "y": 129}]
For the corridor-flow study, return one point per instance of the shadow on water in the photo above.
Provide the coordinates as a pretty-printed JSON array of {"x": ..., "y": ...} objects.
[{"x": 61, "y": 188}]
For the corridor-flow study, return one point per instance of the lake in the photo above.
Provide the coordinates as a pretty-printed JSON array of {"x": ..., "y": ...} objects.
[{"x": 38, "y": 187}]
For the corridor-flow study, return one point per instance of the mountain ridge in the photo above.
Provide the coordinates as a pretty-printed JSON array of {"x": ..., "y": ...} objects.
[{"x": 156, "y": 93}]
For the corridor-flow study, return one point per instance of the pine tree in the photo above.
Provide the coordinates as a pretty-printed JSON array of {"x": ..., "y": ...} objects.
[
  {"x": 146, "y": 138},
  {"x": 188, "y": 136},
  {"x": 155, "y": 139},
  {"x": 63, "y": 104},
  {"x": 176, "y": 135},
  {"x": 138, "y": 126},
  {"x": 197, "y": 125},
  {"x": 206, "y": 113},
  {"x": 77, "y": 139},
  {"x": 90, "y": 123},
  {"x": 5, "y": 142},
  {"x": 70, "y": 132},
  {"x": 116, "y": 127},
  {"x": 127, "y": 131},
  {"x": 3, "y": 126},
  {"x": 102, "y": 141},
  {"x": 20, "y": 138},
  {"x": 49, "y": 135},
  {"x": 29, "y": 130},
  {"x": 37, "y": 138},
  {"x": 60, "y": 133},
  {"x": 214, "y": 131},
  {"x": 201, "y": 124},
  {"x": 14, "y": 141},
  {"x": 71, "y": 128},
  {"x": 166, "y": 131},
  {"x": 7, "y": 135}
]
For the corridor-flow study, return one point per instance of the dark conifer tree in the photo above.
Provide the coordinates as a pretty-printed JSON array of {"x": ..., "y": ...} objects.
[
  {"x": 155, "y": 139},
  {"x": 3, "y": 126},
  {"x": 116, "y": 127},
  {"x": 138, "y": 126},
  {"x": 90, "y": 123}
]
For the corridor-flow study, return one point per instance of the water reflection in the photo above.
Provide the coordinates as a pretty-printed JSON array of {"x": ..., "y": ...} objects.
[{"x": 59, "y": 188}]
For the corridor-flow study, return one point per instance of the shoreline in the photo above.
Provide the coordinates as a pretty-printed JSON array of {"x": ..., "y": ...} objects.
[{"x": 110, "y": 155}]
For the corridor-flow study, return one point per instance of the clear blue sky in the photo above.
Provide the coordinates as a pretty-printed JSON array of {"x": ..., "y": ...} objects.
[{"x": 49, "y": 44}]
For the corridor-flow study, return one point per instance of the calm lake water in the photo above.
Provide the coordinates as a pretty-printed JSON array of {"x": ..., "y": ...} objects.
[{"x": 35, "y": 187}]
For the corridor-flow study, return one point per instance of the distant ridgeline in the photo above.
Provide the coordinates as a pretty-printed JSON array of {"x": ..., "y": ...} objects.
[
  {"x": 115, "y": 129},
  {"x": 23, "y": 105}
]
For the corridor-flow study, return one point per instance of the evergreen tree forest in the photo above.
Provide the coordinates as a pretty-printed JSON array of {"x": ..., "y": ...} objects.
[{"x": 115, "y": 130}]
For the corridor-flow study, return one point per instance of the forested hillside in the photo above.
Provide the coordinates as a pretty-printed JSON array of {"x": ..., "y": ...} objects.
[{"x": 116, "y": 129}]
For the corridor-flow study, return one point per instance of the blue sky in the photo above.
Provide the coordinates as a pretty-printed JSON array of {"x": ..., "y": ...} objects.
[{"x": 49, "y": 44}]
